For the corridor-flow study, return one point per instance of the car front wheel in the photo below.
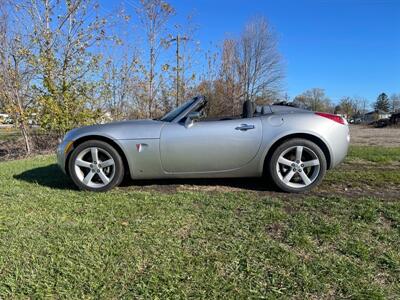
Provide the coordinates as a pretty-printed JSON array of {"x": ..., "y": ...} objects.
[
  {"x": 96, "y": 166},
  {"x": 297, "y": 165}
]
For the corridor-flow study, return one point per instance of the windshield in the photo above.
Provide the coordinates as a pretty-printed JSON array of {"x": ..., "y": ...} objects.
[{"x": 177, "y": 111}]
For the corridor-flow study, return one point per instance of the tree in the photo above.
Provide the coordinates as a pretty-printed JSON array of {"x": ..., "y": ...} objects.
[
  {"x": 182, "y": 77},
  {"x": 352, "y": 106},
  {"x": 259, "y": 64},
  {"x": 207, "y": 85},
  {"x": 395, "y": 102},
  {"x": 347, "y": 107},
  {"x": 382, "y": 103},
  {"x": 57, "y": 42},
  {"x": 228, "y": 85},
  {"x": 153, "y": 15},
  {"x": 360, "y": 105},
  {"x": 120, "y": 86},
  {"x": 68, "y": 61},
  {"x": 16, "y": 74},
  {"x": 250, "y": 69},
  {"x": 315, "y": 100}
]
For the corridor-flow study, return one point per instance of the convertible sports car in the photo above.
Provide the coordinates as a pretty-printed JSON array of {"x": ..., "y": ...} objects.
[{"x": 291, "y": 146}]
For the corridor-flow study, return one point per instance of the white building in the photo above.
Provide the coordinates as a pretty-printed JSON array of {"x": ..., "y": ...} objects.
[{"x": 376, "y": 115}]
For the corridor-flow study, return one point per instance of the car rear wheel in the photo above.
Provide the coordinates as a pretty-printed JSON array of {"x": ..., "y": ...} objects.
[
  {"x": 297, "y": 165},
  {"x": 96, "y": 166}
]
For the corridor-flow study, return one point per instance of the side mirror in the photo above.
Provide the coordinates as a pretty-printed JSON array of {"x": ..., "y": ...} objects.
[{"x": 191, "y": 117}]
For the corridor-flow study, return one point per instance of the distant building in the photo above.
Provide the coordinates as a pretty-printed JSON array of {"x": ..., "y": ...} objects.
[
  {"x": 3, "y": 118},
  {"x": 376, "y": 115}
]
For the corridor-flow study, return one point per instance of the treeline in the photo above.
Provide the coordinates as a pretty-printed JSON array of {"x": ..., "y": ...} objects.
[
  {"x": 356, "y": 107},
  {"x": 70, "y": 63},
  {"x": 315, "y": 99},
  {"x": 352, "y": 107}
]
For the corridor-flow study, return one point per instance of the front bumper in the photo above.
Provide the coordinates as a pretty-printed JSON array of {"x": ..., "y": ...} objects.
[{"x": 62, "y": 155}]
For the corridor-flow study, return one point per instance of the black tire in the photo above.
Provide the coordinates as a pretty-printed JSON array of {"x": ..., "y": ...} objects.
[
  {"x": 273, "y": 170},
  {"x": 118, "y": 165}
]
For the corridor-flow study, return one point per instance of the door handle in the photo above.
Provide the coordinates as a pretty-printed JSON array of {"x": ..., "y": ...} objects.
[{"x": 244, "y": 127}]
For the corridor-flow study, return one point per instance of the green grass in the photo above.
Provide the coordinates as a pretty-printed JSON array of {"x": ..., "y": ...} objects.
[
  {"x": 57, "y": 242},
  {"x": 375, "y": 154},
  {"x": 372, "y": 166},
  {"x": 357, "y": 177}
]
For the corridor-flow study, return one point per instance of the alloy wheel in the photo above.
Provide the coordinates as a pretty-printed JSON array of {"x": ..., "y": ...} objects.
[
  {"x": 94, "y": 167},
  {"x": 298, "y": 167}
]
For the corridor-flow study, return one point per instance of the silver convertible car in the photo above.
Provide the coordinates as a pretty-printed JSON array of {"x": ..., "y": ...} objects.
[{"x": 290, "y": 146}]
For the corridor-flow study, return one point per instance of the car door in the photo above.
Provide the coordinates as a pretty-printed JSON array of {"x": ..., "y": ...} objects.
[{"x": 209, "y": 146}]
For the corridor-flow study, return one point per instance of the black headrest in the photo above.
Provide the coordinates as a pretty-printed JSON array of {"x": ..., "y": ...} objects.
[{"x": 248, "y": 109}]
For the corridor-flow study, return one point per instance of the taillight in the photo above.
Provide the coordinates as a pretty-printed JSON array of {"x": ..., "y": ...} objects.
[{"x": 335, "y": 118}]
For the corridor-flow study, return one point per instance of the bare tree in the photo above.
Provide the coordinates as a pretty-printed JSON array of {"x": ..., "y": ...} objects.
[
  {"x": 208, "y": 79},
  {"x": 229, "y": 85},
  {"x": 153, "y": 14},
  {"x": 395, "y": 102},
  {"x": 361, "y": 106},
  {"x": 188, "y": 50},
  {"x": 250, "y": 69},
  {"x": 347, "y": 106},
  {"x": 259, "y": 63},
  {"x": 3, "y": 41},
  {"x": 120, "y": 86},
  {"x": 16, "y": 74},
  {"x": 315, "y": 100}
]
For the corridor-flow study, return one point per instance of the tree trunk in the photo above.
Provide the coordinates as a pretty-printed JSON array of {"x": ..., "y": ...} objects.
[
  {"x": 21, "y": 120},
  {"x": 151, "y": 92},
  {"x": 25, "y": 135}
]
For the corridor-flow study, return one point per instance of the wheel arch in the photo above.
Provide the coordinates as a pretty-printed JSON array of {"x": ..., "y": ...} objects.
[
  {"x": 102, "y": 138},
  {"x": 320, "y": 143}
]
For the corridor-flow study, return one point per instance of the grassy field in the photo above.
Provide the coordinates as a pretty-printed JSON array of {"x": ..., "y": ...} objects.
[{"x": 202, "y": 239}]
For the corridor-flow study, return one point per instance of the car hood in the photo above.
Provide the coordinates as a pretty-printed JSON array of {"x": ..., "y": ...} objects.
[{"x": 123, "y": 130}]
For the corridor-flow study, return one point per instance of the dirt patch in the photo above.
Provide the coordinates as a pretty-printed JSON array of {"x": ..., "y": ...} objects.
[
  {"x": 369, "y": 136},
  {"x": 275, "y": 230},
  {"x": 340, "y": 190},
  {"x": 15, "y": 148},
  {"x": 388, "y": 192},
  {"x": 262, "y": 188}
]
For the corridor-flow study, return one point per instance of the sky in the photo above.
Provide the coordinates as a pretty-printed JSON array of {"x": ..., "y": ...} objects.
[{"x": 347, "y": 47}]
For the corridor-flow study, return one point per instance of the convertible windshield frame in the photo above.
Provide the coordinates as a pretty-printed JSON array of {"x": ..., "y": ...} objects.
[{"x": 180, "y": 112}]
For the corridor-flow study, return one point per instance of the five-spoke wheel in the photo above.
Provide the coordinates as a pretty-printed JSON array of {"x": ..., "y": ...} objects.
[
  {"x": 297, "y": 165},
  {"x": 96, "y": 166}
]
